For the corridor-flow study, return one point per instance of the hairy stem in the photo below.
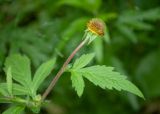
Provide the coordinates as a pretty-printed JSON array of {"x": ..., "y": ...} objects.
[{"x": 60, "y": 72}]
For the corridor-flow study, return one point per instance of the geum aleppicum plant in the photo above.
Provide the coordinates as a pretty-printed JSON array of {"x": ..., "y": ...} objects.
[{"x": 20, "y": 88}]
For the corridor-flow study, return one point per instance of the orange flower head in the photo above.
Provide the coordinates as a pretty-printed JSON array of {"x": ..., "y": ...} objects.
[{"x": 96, "y": 26}]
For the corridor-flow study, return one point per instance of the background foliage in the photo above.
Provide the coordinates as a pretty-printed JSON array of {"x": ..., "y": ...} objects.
[{"x": 43, "y": 29}]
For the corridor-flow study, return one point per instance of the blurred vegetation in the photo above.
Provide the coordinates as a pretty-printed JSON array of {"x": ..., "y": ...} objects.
[{"x": 41, "y": 29}]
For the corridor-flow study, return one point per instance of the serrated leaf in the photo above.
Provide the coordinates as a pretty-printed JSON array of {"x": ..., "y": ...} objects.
[
  {"x": 14, "y": 110},
  {"x": 77, "y": 82},
  {"x": 42, "y": 72},
  {"x": 83, "y": 60},
  {"x": 105, "y": 77},
  {"x": 9, "y": 81},
  {"x": 21, "y": 71},
  {"x": 17, "y": 89}
]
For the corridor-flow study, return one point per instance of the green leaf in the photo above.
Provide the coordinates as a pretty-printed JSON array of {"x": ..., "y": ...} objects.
[
  {"x": 42, "y": 72},
  {"x": 17, "y": 89},
  {"x": 105, "y": 77},
  {"x": 83, "y": 60},
  {"x": 14, "y": 110},
  {"x": 77, "y": 82},
  {"x": 21, "y": 71},
  {"x": 3, "y": 89},
  {"x": 9, "y": 81},
  {"x": 5, "y": 100}
]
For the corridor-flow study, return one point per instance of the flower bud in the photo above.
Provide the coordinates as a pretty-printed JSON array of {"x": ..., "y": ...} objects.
[{"x": 95, "y": 27}]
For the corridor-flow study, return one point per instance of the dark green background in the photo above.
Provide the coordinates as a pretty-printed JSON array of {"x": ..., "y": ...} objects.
[{"x": 42, "y": 29}]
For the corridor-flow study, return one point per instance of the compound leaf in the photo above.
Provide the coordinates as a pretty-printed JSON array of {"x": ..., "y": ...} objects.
[{"x": 102, "y": 76}]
